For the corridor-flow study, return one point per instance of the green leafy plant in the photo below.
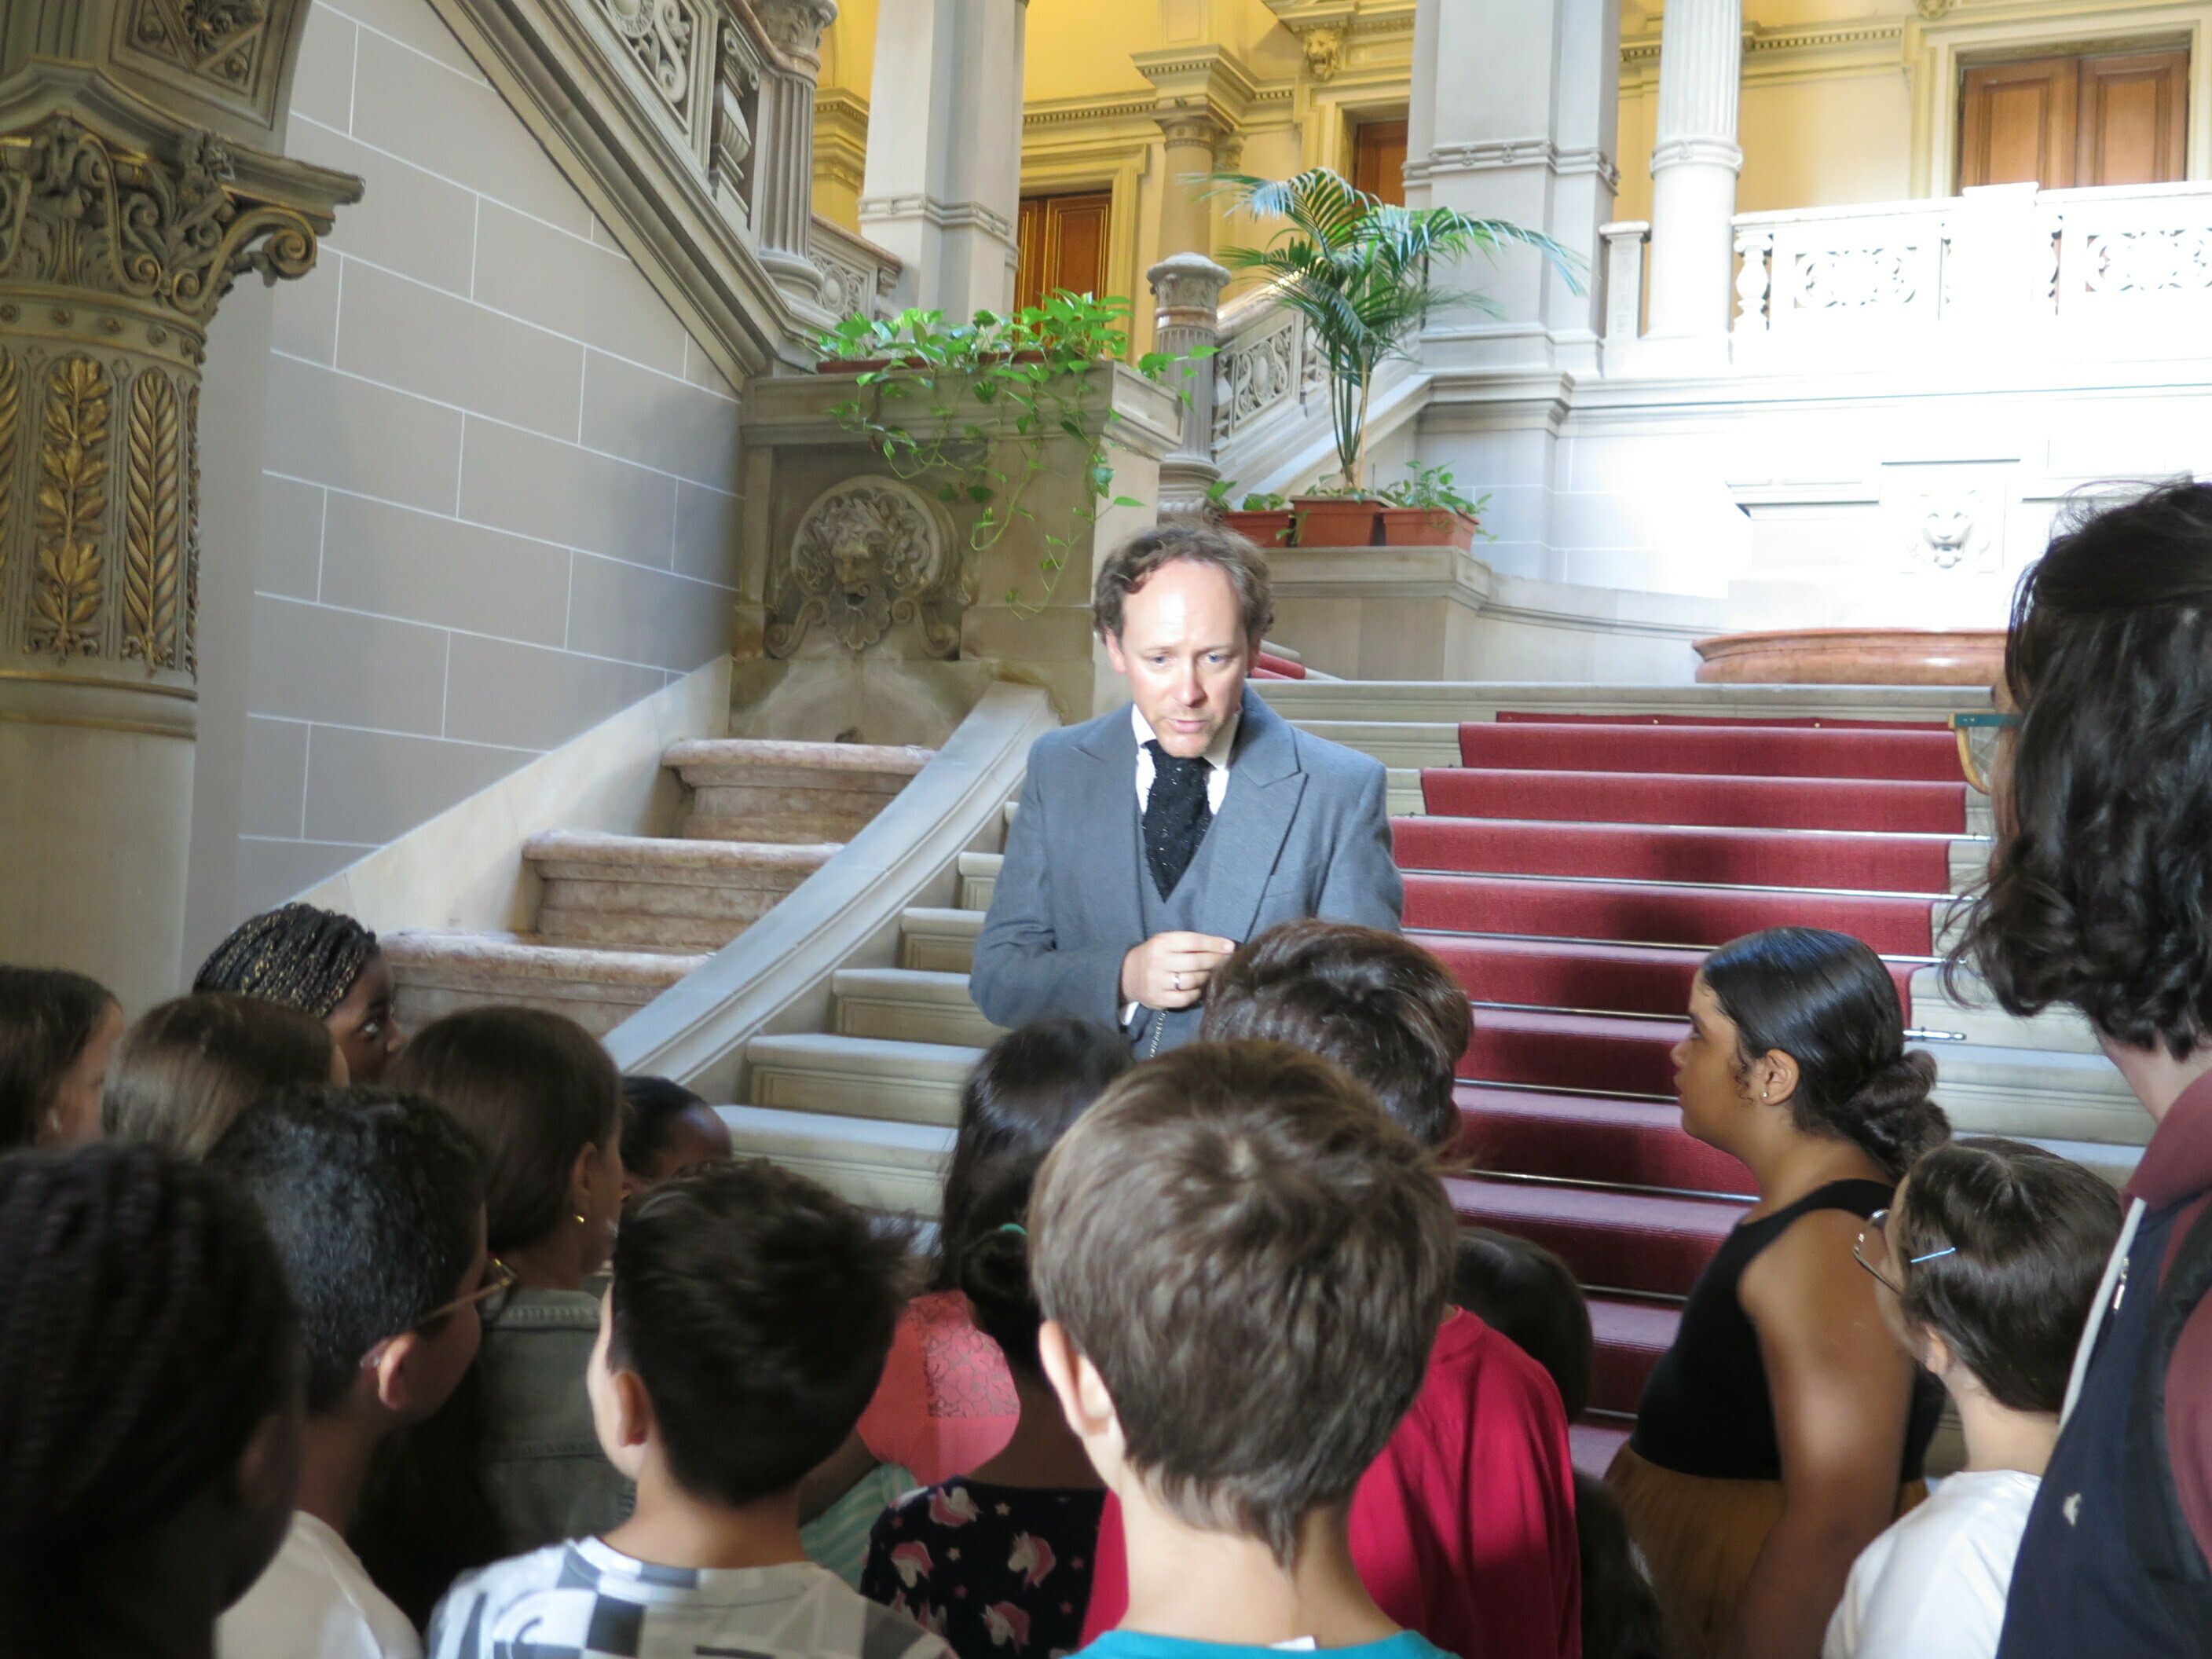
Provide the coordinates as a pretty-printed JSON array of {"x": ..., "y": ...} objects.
[
  {"x": 1261, "y": 502},
  {"x": 971, "y": 407},
  {"x": 1359, "y": 272},
  {"x": 1432, "y": 488}
]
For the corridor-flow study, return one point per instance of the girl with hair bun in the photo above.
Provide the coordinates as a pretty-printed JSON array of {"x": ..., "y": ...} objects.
[{"x": 1784, "y": 1429}]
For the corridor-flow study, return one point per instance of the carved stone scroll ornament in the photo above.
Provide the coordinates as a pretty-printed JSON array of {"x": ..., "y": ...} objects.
[
  {"x": 222, "y": 39},
  {"x": 795, "y": 26},
  {"x": 869, "y": 553},
  {"x": 113, "y": 260}
]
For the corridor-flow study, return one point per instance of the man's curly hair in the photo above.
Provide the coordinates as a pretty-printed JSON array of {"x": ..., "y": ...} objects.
[{"x": 2099, "y": 895}]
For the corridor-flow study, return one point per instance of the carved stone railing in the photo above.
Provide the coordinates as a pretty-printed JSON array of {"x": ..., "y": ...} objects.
[
  {"x": 688, "y": 126},
  {"x": 2053, "y": 264},
  {"x": 860, "y": 276},
  {"x": 1271, "y": 417}
]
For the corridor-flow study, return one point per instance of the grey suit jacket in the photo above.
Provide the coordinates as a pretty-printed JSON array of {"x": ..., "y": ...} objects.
[{"x": 1305, "y": 830}]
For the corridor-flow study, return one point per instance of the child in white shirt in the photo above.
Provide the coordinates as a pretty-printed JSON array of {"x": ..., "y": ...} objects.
[
  {"x": 376, "y": 1201},
  {"x": 745, "y": 1329},
  {"x": 1988, "y": 1259}
]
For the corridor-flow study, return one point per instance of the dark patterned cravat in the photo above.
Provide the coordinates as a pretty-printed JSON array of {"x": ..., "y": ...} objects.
[{"x": 1176, "y": 815}]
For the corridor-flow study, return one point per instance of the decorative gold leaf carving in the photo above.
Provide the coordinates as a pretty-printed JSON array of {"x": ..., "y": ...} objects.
[
  {"x": 72, "y": 487},
  {"x": 78, "y": 212},
  {"x": 151, "y": 520},
  {"x": 11, "y": 410},
  {"x": 191, "y": 652}
]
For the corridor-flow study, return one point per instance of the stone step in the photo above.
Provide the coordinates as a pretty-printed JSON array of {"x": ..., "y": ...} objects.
[
  {"x": 910, "y": 1007},
  {"x": 1974, "y": 1015},
  {"x": 860, "y": 1077},
  {"x": 639, "y": 893},
  {"x": 435, "y": 972},
  {"x": 761, "y": 789},
  {"x": 865, "y": 1160},
  {"x": 2037, "y": 1094},
  {"x": 979, "y": 878},
  {"x": 939, "y": 941}
]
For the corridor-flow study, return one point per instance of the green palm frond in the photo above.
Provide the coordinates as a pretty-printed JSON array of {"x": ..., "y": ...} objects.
[{"x": 1357, "y": 270}]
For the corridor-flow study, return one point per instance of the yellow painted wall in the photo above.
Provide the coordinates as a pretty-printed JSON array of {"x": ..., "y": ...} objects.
[{"x": 1827, "y": 108}]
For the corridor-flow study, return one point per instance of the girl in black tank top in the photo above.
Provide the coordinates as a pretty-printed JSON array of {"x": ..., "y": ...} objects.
[{"x": 1784, "y": 1430}]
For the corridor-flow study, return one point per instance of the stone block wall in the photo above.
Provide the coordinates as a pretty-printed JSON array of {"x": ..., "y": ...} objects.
[{"x": 500, "y": 480}]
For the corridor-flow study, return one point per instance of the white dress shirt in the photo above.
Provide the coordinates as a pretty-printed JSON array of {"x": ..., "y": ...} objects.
[{"x": 1216, "y": 756}]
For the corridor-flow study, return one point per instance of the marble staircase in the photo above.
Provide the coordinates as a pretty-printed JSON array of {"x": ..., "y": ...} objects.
[{"x": 621, "y": 919}]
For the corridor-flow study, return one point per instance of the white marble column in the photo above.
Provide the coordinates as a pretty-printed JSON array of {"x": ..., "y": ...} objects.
[
  {"x": 944, "y": 183},
  {"x": 1514, "y": 116},
  {"x": 1694, "y": 162}
]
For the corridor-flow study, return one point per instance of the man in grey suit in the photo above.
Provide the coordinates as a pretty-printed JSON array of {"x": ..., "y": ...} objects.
[{"x": 1153, "y": 840}]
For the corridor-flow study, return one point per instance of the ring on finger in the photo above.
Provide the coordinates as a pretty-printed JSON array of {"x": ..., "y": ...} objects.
[{"x": 1178, "y": 982}]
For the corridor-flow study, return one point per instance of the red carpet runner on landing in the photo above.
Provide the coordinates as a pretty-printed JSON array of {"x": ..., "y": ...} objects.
[{"x": 1573, "y": 872}]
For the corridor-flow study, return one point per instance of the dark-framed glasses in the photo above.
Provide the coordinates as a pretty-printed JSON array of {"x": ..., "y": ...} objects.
[
  {"x": 1978, "y": 734},
  {"x": 498, "y": 1279},
  {"x": 1871, "y": 1251}
]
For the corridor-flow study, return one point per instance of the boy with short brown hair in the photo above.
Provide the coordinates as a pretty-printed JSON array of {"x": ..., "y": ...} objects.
[{"x": 1243, "y": 1264}]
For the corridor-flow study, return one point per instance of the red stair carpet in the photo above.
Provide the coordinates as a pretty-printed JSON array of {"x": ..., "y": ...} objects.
[{"x": 1572, "y": 872}]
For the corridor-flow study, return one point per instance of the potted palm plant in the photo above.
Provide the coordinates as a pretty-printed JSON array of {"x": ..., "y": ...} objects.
[{"x": 1359, "y": 272}]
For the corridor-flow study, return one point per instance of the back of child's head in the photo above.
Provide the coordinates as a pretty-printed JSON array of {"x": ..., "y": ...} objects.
[
  {"x": 372, "y": 1198},
  {"x": 1030, "y": 1086},
  {"x": 1254, "y": 1258},
  {"x": 994, "y": 1269},
  {"x": 535, "y": 1089},
  {"x": 652, "y": 1106},
  {"x": 185, "y": 1069},
  {"x": 1825, "y": 1000},
  {"x": 1529, "y": 1296},
  {"x": 2012, "y": 1242},
  {"x": 47, "y": 1016},
  {"x": 145, "y": 1336},
  {"x": 756, "y": 1306},
  {"x": 1375, "y": 1003},
  {"x": 302, "y": 957}
]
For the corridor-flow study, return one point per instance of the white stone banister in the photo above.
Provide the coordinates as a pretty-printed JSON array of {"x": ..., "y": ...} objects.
[
  {"x": 1625, "y": 240},
  {"x": 862, "y": 276},
  {"x": 2109, "y": 261}
]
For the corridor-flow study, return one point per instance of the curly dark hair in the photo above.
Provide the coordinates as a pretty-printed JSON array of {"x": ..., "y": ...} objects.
[
  {"x": 145, "y": 1332},
  {"x": 2099, "y": 895},
  {"x": 1825, "y": 999}
]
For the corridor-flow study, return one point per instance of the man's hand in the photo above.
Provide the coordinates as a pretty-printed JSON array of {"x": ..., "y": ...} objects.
[{"x": 1170, "y": 970}]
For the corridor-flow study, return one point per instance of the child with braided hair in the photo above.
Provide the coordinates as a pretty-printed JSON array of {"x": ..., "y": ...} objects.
[
  {"x": 322, "y": 963},
  {"x": 150, "y": 1417}
]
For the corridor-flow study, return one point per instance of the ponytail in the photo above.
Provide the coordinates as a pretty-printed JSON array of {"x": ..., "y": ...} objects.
[{"x": 1825, "y": 1000}]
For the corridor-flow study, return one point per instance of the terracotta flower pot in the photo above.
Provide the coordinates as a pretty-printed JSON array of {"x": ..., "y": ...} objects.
[
  {"x": 1335, "y": 521},
  {"x": 1272, "y": 528},
  {"x": 1428, "y": 526}
]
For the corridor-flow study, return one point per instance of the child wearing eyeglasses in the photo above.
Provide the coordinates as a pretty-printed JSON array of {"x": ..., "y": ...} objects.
[
  {"x": 1986, "y": 1261},
  {"x": 376, "y": 1203}
]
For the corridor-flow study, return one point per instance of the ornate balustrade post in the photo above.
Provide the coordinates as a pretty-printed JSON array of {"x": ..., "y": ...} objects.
[
  {"x": 132, "y": 195},
  {"x": 783, "y": 200},
  {"x": 1186, "y": 289}
]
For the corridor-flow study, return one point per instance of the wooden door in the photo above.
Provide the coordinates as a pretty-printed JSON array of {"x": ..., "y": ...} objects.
[
  {"x": 2080, "y": 119},
  {"x": 1063, "y": 246},
  {"x": 2133, "y": 118},
  {"x": 1378, "y": 160}
]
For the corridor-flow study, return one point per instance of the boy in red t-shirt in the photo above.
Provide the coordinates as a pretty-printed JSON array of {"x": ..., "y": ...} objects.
[{"x": 1464, "y": 1528}]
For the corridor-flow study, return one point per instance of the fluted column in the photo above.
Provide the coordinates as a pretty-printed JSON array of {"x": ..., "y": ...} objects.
[
  {"x": 783, "y": 200},
  {"x": 123, "y": 223},
  {"x": 1187, "y": 290},
  {"x": 1694, "y": 163},
  {"x": 944, "y": 183}
]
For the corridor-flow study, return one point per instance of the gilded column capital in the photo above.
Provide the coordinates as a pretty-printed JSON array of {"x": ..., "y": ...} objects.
[{"x": 116, "y": 247}]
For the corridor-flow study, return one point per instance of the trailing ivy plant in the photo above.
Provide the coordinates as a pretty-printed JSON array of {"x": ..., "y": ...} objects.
[{"x": 970, "y": 409}]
